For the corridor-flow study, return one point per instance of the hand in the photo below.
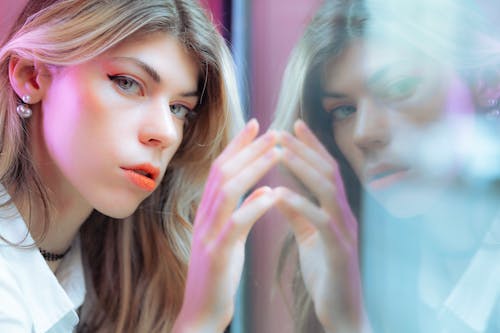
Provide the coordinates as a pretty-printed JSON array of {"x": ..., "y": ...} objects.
[
  {"x": 326, "y": 234},
  {"x": 220, "y": 230}
]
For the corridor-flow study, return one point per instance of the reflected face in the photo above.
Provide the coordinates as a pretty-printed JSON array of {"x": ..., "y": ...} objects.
[
  {"x": 387, "y": 107},
  {"x": 110, "y": 126}
]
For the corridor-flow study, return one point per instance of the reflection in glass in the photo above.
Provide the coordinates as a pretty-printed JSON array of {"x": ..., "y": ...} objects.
[{"x": 405, "y": 96}]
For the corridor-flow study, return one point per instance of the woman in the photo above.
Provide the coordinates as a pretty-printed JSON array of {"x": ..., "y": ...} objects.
[
  {"x": 112, "y": 113},
  {"x": 386, "y": 87}
]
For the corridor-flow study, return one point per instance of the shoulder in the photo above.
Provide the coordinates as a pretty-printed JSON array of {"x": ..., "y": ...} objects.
[
  {"x": 494, "y": 324},
  {"x": 14, "y": 313}
]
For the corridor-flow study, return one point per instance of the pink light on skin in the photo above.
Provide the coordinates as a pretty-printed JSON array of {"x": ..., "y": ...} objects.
[
  {"x": 458, "y": 125},
  {"x": 80, "y": 111},
  {"x": 385, "y": 180},
  {"x": 459, "y": 102}
]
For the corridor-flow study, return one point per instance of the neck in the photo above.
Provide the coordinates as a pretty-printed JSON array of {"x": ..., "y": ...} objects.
[
  {"x": 67, "y": 208},
  {"x": 454, "y": 231},
  {"x": 65, "y": 219},
  {"x": 457, "y": 225}
]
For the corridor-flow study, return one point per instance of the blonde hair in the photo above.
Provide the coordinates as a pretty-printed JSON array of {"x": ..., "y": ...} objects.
[{"x": 135, "y": 268}]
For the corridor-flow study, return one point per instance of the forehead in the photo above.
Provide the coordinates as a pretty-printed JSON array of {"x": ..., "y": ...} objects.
[
  {"x": 163, "y": 52},
  {"x": 364, "y": 60}
]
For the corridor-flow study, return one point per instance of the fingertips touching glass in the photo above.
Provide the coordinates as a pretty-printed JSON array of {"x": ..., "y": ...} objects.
[
  {"x": 325, "y": 230},
  {"x": 221, "y": 227}
]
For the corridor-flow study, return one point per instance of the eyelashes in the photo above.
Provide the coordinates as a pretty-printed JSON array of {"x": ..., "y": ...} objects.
[
  {"x": 130, "y": 86},
  {"x": 341, "y": 112},
  {"x": 127, "y": 85},
  {"x": 182, "y": 112},
  {"x": 396, "y": 90},
  {"x": 385, "y": 92}
]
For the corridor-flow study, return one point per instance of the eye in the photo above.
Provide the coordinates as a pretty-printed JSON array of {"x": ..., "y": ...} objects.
[
  {"x": 399, "y": 89},
  {"x": 182, "y": 112},
  {"x": 342, "y": 112},
  {"x": 127, "y": 84}
]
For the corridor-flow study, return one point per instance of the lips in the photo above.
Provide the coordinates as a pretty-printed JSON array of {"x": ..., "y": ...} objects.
[
  {"x": 385, "y": 175},
  {"x": 143, "y": 175}
]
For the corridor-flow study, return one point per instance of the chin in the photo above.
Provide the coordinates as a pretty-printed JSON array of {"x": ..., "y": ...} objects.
[
  {"x": 400, "y": 210},
  {"x": 117, "y": 210},
  {"x": 411, "y": 202}
]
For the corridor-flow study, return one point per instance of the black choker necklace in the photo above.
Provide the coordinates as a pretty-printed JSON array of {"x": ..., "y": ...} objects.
[{"x": 49, "y": 256}]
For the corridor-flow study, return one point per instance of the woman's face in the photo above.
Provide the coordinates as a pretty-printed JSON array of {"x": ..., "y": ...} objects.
[
  {"x": 391, "y": 116},
  {"x": 109, "y": 127}
]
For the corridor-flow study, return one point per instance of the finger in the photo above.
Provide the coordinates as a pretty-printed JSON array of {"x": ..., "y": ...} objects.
[
  {"x": 305, "y": 135},
  {"x": 330, "y": 197},
  {"x": 255, "y": 194},
  {"x": 228, "y": 195},
  {"x": 247, "y": 135},
  {"x": 215, "y": 176},
  {"x": 242, "y": 220},
  {"x": 248, "y": 153},
  {"x": 304, "y": 217},
  {"x": 302, "y": 229},
  {"x": 311, "y": 156},
  {"x": 223, "y": 172},
  {"x": 320, "y": 186}
]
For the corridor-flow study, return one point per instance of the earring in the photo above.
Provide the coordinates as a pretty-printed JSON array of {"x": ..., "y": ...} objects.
[
  {"x": 492, "y": 111},
  {"x": 491, "y": 103},
  {"x": 23, "y": 109},
  {"x": 493, "y": 114},
  {"x": 489, "y": 108}
]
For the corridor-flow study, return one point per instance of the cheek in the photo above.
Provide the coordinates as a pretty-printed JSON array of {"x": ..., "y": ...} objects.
[
  {"x": 459, "y": 101},
  {"x": 60, "y": 117},
  {"x": 343, "y": 135},
  {"x": 180, "y": 134},
  {"x": 445, "y": 97},
  {"x": 169, "y": 153},
  {"x": 72, "y": 119}
]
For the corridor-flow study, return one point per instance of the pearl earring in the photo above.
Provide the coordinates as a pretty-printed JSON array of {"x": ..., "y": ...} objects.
[{"x": 23, "y": 109}]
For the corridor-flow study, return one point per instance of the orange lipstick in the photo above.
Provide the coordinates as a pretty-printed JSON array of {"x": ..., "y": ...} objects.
[{"x": 143, "y": 175}]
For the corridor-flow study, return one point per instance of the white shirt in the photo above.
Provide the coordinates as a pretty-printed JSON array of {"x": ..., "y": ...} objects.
[
  {"x": 473, "y": 305},
  {"x": 32, "y": 298},
  {"x": 475, "y": 298}
]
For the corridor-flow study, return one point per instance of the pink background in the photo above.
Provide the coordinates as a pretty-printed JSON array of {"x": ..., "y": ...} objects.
[{"x": 276, "y": 26}]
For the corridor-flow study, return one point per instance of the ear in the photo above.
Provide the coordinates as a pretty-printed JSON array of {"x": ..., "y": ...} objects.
[{"x": 30, "y": 78}]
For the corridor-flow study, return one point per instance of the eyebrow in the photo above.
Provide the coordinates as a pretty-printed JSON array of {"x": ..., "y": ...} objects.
[
  {"x": 398, "y": 67},
  {"x": 374, "y": 79},
  {"x": 331, "y": 94},
  {"x": 145, "y": 67},
  {"x": 153, "y": 73}
]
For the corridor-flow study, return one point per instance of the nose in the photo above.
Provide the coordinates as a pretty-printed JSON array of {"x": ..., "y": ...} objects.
[
  {"x": 372, "y": 128},
  {"x": 159, "y": 128}
]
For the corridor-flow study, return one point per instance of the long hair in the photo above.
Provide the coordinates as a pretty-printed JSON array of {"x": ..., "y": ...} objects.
[
  {"x": 462, "y": 41},
  {"x": 327, "y": 35},
  {"x": 136, "y": 267}
]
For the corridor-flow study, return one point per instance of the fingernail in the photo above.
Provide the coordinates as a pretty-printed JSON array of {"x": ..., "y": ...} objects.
[
  {"x": 279, "y": 136},
  {"x": 251, "y": 123},
  {"x": 299, "y": 123},
  {"x": 257, "y": 193},
  {"x": 270, "y": 136},
  {"x": 275, "y": 152},
  {"x": 286, "y": 154},
  {"x": 286, "y": 137}
]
